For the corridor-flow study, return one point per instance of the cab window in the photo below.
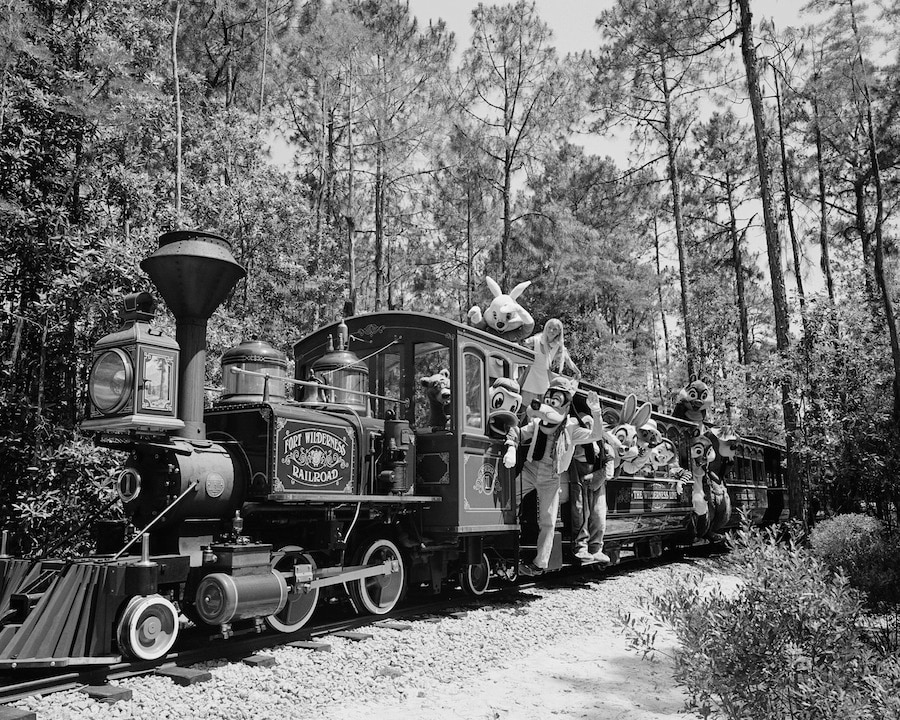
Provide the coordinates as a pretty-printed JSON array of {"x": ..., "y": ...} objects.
[
  {"x": 431, "y": 412},
  {"x": 473, "y": 369}
]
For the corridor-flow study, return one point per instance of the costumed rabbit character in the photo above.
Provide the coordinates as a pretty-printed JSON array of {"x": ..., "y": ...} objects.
[
  {"x": 550, "y": 436},
  {"x": 631, "y": 456},
  {"x": 693, "y": 403},
  {"x": 437, "y": 390},
  {"x": 504, "y": 315},
  {"x": 712, "y": 505},
  {"x": 505, "y": 402},
  {"x": 551, "y": 358}
]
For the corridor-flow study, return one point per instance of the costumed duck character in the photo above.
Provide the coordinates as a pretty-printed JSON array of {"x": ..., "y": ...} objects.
[
  {"x": 693, "y": 403},
  {"x": 550, "y": 436},
  {"x": 504, "y": 316},
  {"x": 712, "y": 505},
  {"x": 505, "y": 402},
  {"x": 632, "y": 457},
  {"x": 551, "y": 358},
  {"x": 437, "y": 390}
]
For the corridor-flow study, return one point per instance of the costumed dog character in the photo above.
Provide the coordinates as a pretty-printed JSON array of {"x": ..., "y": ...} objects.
[
  {"x": 551, "y": 436},
  {"x": 550, "y": 359},
  {"x": 504, "y": 315},
  {"x": 437, "y": 390},
  {"x": 712, "y": 505},
  {"x": 693, "y": 403},
  {"x": 505, "y": 401},
  {"x": 631, "y": 456}
]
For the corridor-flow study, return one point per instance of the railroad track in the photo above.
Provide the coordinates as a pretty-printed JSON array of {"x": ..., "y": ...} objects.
[{"x": 196, "y": 646}]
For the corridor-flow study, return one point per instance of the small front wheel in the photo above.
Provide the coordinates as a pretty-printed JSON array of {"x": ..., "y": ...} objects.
[
  {"x": 378, "y": 594},
  {"x": 148, "y": 627}
]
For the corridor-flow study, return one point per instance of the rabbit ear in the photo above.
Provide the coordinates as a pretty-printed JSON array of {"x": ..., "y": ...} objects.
[
  {"x": 519, "y": 289},
  {"x": 692, "y": 378},
  {"x": 493, "y": 286},
  {"x": 642, "y": 415},
  {"x": 628, "y": 410}
]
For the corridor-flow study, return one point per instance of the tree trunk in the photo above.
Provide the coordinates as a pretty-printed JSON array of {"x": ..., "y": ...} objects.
[
  {"x": 796, "y": 498},
  {"x": 662, "y": 307},
  {"x": 262, "y": 72},
  {"x": 351, "y": 220},
  {"x": 823, "y": 208},
  {"x": 788, "y": 208},
  {"x": 880, "y": 276},
  {"x": 177, "y": 114},
  {"x": 679, "y": 224},
  {"x": 740, "y": 291}
]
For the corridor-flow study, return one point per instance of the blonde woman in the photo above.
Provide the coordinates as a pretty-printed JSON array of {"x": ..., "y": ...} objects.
[{"x": 551, "y": 358}]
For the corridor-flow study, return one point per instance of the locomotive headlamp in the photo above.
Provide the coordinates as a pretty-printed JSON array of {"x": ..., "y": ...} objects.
[
  {"x": 109, "y": 385},
  {"x": 133, "y": 383}
]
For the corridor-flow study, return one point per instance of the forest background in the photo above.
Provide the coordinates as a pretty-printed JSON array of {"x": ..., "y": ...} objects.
[{"x": 351, "y": 153}]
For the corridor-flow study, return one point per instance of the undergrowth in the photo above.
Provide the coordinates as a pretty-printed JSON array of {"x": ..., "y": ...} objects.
[{"x": 790, "y": 641}]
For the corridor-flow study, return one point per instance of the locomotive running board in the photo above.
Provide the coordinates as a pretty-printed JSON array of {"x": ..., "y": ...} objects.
[{"x": 301, "y": 498}]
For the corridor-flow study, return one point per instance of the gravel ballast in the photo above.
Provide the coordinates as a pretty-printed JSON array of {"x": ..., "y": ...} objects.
[{"x": 394, "y": 668}]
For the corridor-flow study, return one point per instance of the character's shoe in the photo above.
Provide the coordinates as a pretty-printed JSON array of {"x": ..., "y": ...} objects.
[
  {"x": 530, "y": 569},
  {"x": 601, "y": 557},
  {"x": 584, "y": 556}
]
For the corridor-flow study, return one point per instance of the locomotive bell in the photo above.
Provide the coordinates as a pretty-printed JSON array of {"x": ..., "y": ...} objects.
[{"x": 134, "y": 374}]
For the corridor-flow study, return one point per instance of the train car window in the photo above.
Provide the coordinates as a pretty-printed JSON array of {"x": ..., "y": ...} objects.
[
  {"x": 429, "y": 359},
  {"x": 498, "y": 367},
  {"x": 473, "y": 366}
]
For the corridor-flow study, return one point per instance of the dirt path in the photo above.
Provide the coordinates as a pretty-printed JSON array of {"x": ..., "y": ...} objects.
[{"x": 593, "y": 677}]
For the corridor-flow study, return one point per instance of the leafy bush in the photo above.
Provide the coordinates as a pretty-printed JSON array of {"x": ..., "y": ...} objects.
[
  {"x": 855, "y": 545},
  {"x": 787, "y": 643},
  {"x": 53, "y": 484}
]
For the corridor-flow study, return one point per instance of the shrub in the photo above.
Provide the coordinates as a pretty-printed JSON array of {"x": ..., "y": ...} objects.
[
  {"x": 786, "y": 644},
  {"x": 855, "y": 545}
]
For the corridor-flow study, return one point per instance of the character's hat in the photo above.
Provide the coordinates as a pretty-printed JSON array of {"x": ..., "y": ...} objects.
[{"x": 563, "y": 384}]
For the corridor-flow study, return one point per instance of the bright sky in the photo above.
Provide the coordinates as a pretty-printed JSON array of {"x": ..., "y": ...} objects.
[
  {"x": 574, "y": 30},
  {"x": 572, "y": 21}
]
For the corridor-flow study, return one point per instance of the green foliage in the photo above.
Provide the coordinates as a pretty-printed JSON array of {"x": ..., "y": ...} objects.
[
  {"x": 53, "y": 484},
  {"x": 786, "y": 643},
  {"x": 855, "y": 545}
]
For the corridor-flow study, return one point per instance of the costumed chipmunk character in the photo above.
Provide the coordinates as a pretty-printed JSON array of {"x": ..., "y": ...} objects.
[
  {"x": 504, "y": 315},
  {"x": 631, "y": 456},
  {"x": 437, "y": 390},
  {"x": 712, "y": 505},
  {"x": 551, "y": 436},
  {"x": 505, "y": 401},
  {"x": 693, "y": 403}
]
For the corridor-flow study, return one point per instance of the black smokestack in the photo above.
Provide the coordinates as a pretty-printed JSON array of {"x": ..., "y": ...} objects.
[{"x": 194, "y": 272}]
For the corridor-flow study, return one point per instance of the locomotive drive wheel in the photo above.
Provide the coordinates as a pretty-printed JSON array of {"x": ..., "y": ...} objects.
[
  {"x": 299, "y": 606},
  {"x": 475, "y": 579},
  {"x": 379, "y": 594},
  {"x": 148, "y": 627}
]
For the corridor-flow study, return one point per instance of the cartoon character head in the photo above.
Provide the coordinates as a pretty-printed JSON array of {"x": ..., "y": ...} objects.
[
  {"x": 505, "y": 316},
  {"x": 648, "y": 434},
  {"x": 553, "y": 409},
  {"x": 663, "y": 454},
  {"x": 702, "y": 452},
  {"x": 693, "y": 402},
  {"x": 631, "y": 457},
  {"x": 437, "y": 390},
  {"x": 505, "y": 401}
]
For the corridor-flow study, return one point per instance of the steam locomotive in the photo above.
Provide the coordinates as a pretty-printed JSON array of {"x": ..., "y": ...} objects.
[{"x": 337, "y": 482}]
